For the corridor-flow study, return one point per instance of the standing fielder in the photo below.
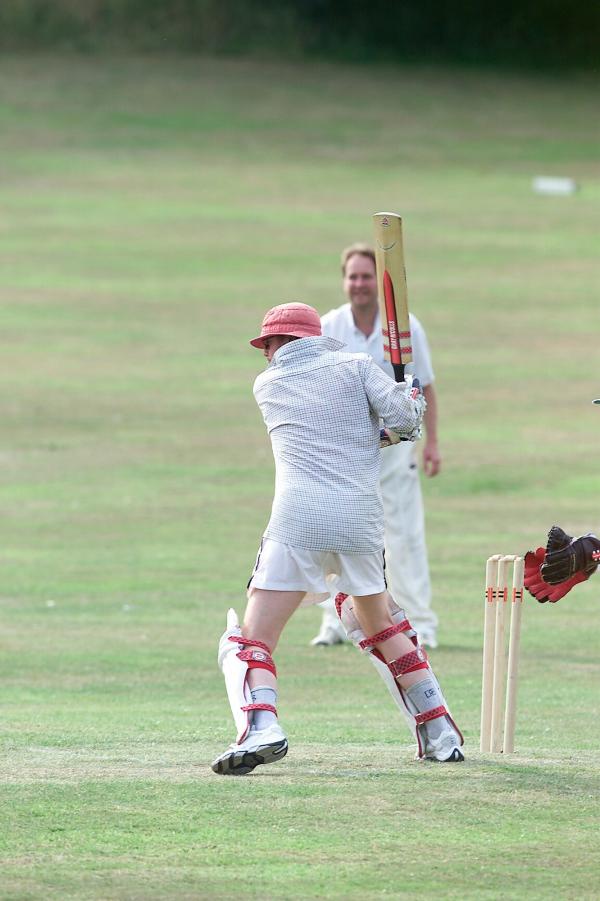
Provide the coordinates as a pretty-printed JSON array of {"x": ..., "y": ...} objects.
[
  {"x": 322, "y": 409},
  {"x": 357, "y": 324}
]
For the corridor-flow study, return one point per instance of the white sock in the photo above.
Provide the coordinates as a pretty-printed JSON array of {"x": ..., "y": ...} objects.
[
  {"x": 425, "y": 696},
  {"x": 263, "y": 695}
]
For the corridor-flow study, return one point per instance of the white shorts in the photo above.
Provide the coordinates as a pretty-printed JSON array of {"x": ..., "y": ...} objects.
[{"x": 281, "y": 567}]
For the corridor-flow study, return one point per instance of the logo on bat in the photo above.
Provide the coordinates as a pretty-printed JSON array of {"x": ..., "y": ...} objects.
[{"x": 385, "y": 223}]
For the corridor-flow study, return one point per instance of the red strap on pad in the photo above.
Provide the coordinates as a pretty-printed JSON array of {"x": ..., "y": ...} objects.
[
  {"x": 260, "y": 707},
  {"x": 409, "y": 663},
  {"x": 257, "y": 659},
  {"x": 257, "y": 655},
  {"x": 432, "y": 714},
  {"x": 339, "y": 600},
  {"x": 404, "y": 626},
  {"x": 239, "y": 639}
]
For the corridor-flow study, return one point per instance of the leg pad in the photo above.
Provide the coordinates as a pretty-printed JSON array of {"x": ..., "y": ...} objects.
[
  {"x": 237, "y": 656},
  {"x": 416, "y": 660}
]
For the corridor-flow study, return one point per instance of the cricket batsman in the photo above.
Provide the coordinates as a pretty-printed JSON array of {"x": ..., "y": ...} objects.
[{"x": 322, "y": 409}]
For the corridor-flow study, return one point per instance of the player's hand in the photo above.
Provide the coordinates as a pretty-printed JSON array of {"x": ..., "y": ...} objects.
[
  {"x": 567, "y": 557},
  {"x": 431, "y": 459},
  {"x": 387, "y": 437},
  {"x": 413, "y": 386}
]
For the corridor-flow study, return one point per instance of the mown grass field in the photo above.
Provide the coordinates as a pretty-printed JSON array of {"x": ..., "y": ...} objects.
[{"x": 150, "y": 211}]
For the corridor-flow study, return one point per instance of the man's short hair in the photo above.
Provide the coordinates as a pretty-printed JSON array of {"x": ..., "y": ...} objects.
[{"x": 363, "y": 250}]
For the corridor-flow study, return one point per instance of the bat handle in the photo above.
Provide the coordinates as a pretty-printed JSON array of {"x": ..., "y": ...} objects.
[{"x": 398, "y": 371}]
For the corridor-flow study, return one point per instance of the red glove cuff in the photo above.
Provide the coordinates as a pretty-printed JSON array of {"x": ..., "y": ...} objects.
[{"x": 540, "y": 589}]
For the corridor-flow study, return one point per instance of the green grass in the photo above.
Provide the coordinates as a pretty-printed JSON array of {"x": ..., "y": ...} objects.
[{"x": 151, "y": 210}]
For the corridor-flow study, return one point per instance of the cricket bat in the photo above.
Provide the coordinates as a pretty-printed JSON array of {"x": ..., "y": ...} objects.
[{"x": 391, "y": 285}]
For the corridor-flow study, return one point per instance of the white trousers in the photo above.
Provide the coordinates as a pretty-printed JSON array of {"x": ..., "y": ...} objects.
[
  {"x": 407, "y": 567},
  {"x": 406, "y": 564}
]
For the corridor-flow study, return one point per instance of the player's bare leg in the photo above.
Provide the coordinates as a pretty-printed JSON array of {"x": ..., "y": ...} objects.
[
  {"x": 372, "y": 612},
  {"x": 251, "y": 680}
]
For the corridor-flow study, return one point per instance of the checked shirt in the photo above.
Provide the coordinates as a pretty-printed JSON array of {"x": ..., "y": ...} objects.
[{"x": 322, "y": 409}]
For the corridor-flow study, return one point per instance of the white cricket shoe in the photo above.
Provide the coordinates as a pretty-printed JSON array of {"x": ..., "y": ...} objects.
[
  {"x": 331, "y": 632},
  {"x": 428, "y": 640},
  {"x": 445, "y": 749},
  {"x": 260, "y": 746}
]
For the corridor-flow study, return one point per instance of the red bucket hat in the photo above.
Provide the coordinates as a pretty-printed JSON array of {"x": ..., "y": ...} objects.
[{"x": 297, "y": 320}]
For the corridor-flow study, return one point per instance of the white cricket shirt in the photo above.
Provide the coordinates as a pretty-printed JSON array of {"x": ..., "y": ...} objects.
[
  {"x": 322, "y": 407},
  {"x": 339, "y": 324}
]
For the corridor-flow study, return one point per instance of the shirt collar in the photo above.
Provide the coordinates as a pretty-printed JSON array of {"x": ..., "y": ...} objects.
[
  {"x": 305, "y": 349},
  {"x": 361, "y": 334}
]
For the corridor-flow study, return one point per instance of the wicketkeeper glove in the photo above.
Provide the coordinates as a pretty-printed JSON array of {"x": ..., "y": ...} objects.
[
  {"x": 562, "y": 577},
  {"x": 532, "y": 580},
  {"x": 567, "y": 557},
  {"x": 538, "y": 587}
]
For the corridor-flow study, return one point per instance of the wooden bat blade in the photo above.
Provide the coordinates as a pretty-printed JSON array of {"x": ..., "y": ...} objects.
[{"x": 391, "y": 286}]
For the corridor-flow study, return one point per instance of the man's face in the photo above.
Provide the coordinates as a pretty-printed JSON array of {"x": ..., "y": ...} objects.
[
  {"x": 272, "y": 344},
  {"x": 360, "y": 282}
]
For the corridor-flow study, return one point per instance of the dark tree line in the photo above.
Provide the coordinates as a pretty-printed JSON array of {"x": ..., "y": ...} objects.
[{"x": 548, "y": 33}]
